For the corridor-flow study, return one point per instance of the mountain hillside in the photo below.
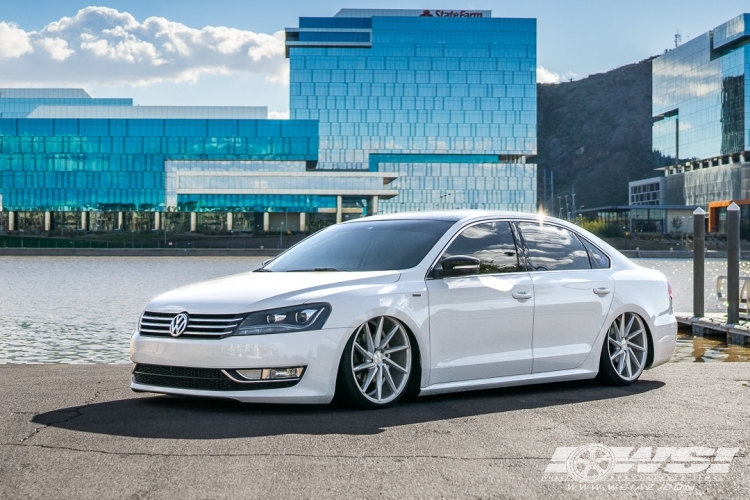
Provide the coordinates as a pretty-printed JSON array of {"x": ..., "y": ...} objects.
[{"x": 595, "y": 133}]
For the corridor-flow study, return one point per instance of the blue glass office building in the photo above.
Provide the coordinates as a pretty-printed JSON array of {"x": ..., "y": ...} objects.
[
  {"x": 444, "y": 99},
  {"x": 391, "y": 110},
  {"x": 122, "y": 166},
  {"x": 701, "y": 129}
]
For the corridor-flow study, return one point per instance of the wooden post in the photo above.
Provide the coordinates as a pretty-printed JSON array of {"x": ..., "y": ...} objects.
[
  {"x": 699, "y": 262},
  {"x": 733, "y": 264}
]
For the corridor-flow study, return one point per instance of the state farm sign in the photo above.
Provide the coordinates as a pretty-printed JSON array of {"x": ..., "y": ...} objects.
[{"x": 454, "y": 13}]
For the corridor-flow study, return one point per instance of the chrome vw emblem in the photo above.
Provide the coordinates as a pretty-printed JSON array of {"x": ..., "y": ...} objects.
[{"x": 179, "y": 324}]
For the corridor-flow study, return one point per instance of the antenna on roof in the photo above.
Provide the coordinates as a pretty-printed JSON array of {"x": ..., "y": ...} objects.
[{"x": 677, "y": 39}]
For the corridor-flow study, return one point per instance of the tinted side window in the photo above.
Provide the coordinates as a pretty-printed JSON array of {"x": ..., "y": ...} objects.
[
  {"x": 553, "y": 248},
  {"x": 490, "y": 242},
  {"x": 597, "y": 257}
]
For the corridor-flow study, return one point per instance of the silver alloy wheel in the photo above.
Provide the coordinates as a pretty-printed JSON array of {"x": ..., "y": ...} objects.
[
  {"x": 381, "y": 359},
  {"x": 627, "y": 346}
]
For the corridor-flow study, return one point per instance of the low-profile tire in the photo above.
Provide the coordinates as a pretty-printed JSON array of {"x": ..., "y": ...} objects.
[
  {"x": 625, "y": 350},
  {"x": 376, "y": 364}
]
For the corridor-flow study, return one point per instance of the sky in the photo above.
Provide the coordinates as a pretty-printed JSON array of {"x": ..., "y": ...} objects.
[{"x": 231, "y": 52}]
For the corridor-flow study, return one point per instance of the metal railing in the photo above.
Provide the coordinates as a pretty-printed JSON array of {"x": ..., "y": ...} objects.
[{"x": 744, "y": 293}]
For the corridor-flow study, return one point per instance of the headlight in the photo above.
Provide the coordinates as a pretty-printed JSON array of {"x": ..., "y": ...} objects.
[{"x": 285, "y": 320}]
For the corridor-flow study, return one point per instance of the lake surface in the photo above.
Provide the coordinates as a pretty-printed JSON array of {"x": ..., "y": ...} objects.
[
  {"x": 679, "y": 272},
  {"x": 84, "y": 309}
]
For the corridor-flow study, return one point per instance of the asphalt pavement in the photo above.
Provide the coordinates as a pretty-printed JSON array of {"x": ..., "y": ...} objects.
[{"x": 77, "y": 431}]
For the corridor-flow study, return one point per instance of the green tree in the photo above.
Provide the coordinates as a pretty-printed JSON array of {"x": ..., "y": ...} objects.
[{"x": 676, "y": 224}]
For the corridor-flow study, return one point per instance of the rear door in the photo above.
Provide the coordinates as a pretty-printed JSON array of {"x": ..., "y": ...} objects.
[
  {"x": 572, "y": 296},
  {"x": 481, "y": 324}
]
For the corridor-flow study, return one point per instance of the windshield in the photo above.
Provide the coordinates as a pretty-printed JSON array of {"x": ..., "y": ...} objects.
[{"x": 382, "y": 245}]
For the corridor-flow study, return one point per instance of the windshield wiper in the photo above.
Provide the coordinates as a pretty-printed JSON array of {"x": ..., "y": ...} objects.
[
  {"x": 262, "y": 270},
  {"x": 316, "y": 269}
]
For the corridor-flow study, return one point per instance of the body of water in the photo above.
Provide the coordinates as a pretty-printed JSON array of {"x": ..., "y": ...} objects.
[{"x": 84, "y": 309}]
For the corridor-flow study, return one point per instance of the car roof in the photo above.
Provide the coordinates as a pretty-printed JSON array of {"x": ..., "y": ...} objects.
[
  {"x": 450, "y": 215},
  {"x": 468, "y": 216}
]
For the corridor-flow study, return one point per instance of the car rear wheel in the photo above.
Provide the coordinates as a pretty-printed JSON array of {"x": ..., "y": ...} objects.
[
  {"x": 376, "y": 365},
  {"x": 625, "y": 351}
]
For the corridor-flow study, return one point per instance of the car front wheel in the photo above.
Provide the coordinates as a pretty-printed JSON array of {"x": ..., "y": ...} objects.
[
  {"x": 376, "y": 365},
  {"x": 625, "y": 351}
]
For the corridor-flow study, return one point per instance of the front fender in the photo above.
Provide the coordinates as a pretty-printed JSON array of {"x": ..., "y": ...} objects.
[{"x": 407, "y": 302}]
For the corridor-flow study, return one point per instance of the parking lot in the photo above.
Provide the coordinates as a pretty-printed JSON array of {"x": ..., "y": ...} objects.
[{"x": 78, "y": 431}]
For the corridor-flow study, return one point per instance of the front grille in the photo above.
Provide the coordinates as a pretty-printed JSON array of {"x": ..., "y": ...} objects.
[
  {"x": 206, "y": 326},
  {"x": 204, "y": 379}
]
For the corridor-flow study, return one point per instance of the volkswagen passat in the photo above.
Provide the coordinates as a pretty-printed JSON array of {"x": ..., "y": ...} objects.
[{"x": 419, "y": 303}]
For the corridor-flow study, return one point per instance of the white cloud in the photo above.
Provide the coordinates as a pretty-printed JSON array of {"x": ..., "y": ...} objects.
[
  {"x": 14, "y": 42},
  {"x": 278, "y": 115},
  {"x": 56, "y": 47},
  {"x": 103, "y": 46},
  {"x": 543, "y": 75}
]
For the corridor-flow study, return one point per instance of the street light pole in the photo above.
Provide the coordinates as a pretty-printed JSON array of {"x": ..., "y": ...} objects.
[
  {"x": 574, "y": 201},
  {"x": 683, "y": 240},
  {"x": 281, "y": 229}
]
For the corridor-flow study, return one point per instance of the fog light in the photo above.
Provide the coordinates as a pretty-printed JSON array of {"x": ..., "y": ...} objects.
[
  {"x": 250, "y": 374},
  {"x": 282, "y": 373}
]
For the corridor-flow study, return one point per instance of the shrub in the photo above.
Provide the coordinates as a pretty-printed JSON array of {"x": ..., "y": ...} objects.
[{"x": 600, "y": 228}]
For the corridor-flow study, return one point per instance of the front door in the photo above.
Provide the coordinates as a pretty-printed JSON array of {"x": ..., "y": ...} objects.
[
  {"x": 572, "y": 295},
  {"x": 481, "y": 324}
]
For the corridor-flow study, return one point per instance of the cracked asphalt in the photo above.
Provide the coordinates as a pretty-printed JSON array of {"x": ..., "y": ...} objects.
[{"x": 77, "y": 431}]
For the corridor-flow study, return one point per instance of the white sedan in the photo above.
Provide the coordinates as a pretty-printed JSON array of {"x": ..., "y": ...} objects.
[{"x": 415, "y": 303}]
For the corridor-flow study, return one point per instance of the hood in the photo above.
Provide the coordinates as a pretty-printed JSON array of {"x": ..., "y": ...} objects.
[{"x": 257, "y": 291}]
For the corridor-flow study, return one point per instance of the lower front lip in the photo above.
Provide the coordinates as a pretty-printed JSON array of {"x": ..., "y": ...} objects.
[{"x": 318, "y": 351}]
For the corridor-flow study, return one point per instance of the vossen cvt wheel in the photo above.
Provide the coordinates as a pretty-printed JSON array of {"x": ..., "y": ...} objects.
[
  {"x": 625, "y": 351},
  {"x": 376, "y": 365}
]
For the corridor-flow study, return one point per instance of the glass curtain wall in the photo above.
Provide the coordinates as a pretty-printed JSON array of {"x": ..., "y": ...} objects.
[
  {"x": 118, "y": 164},
  {"x": 424, "y": 86},
  {"x": 699, "y": 93}
]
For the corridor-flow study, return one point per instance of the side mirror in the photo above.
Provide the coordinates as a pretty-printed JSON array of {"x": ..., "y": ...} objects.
[
  {"x": 457, "y": 265},
  {"x": 265, "y": 262}
]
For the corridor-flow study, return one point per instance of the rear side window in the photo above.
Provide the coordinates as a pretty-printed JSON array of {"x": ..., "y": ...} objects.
[
  {"x": 553, "y": 248},
  {"x": 490, "y": 242},
  {"x": 596, "y": 256}
]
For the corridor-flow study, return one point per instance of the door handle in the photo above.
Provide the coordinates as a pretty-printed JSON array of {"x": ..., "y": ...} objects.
[
  {"x": 521, "y": 295},
  {"x": 602, "y": 291}
]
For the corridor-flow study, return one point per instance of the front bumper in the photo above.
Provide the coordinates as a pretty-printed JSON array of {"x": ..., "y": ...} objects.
[{"x": 319, "y": 351}]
